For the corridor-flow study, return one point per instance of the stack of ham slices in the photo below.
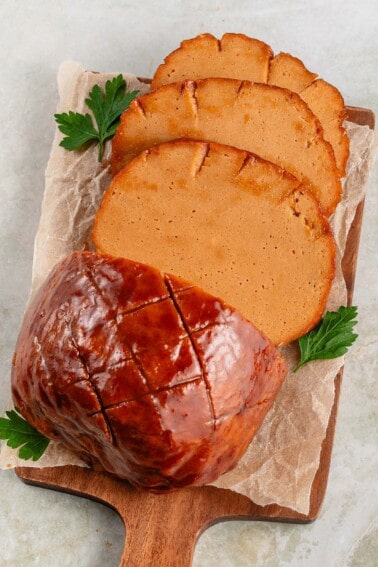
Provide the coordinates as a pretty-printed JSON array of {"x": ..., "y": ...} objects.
[{"x": 226, "y": 173}]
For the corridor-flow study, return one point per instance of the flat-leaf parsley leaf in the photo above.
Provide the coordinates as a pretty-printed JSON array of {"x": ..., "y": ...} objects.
[
  {"x": 331, "y": 338},
  {"x": 106, "y": 105},
  {"x": 19, "y": 433}
]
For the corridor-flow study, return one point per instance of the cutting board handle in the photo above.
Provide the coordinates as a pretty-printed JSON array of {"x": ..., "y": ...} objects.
[
  {"x": 159, "y": 534},
  {"x": 161, "y": 529}
]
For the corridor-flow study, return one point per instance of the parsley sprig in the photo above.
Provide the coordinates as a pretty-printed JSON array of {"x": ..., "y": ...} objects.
[
  {"x": 19, "y": 433},
  {"x": 106, "y": 105},
  {"x": 331, "y": 338}
]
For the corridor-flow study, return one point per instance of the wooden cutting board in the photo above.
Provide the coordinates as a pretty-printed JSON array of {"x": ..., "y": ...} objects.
[{"x": 162, "y": 530}]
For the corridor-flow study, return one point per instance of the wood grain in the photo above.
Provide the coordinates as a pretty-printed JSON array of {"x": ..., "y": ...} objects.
[{"x": 162, "y": 530}]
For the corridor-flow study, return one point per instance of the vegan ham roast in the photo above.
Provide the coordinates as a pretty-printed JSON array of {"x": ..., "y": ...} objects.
[{"x": 159, "y": 382}]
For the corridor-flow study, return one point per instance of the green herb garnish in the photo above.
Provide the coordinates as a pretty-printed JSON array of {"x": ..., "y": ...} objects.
[
  {"x": 19, "y": 433},
  {"x": 106, "y": 106},
  {"x": 331, "y": 338}
]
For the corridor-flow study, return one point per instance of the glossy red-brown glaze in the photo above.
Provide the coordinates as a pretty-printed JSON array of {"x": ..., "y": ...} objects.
[{"x": 156, "y": 380}]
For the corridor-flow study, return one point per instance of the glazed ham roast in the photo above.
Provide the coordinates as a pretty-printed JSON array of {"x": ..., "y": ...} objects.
[
  {"x": 230, "y": 222},
  {"x": 161, "y": 383},
  {"x": 269, "y": 121},
  {"x": 236, "y": 56}
]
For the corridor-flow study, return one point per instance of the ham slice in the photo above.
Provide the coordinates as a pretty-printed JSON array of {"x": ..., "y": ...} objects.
[
  {"x": 228, "y": 221},
  {"x": 236, "y": 56},
  {"x": 271, "y": 122}
]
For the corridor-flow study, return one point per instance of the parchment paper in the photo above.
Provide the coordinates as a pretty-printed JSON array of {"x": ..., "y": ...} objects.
[{"x": 280, "y": 463}]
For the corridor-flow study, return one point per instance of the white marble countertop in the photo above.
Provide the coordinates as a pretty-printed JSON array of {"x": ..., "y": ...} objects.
[{"x": 339, "y": 40}]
